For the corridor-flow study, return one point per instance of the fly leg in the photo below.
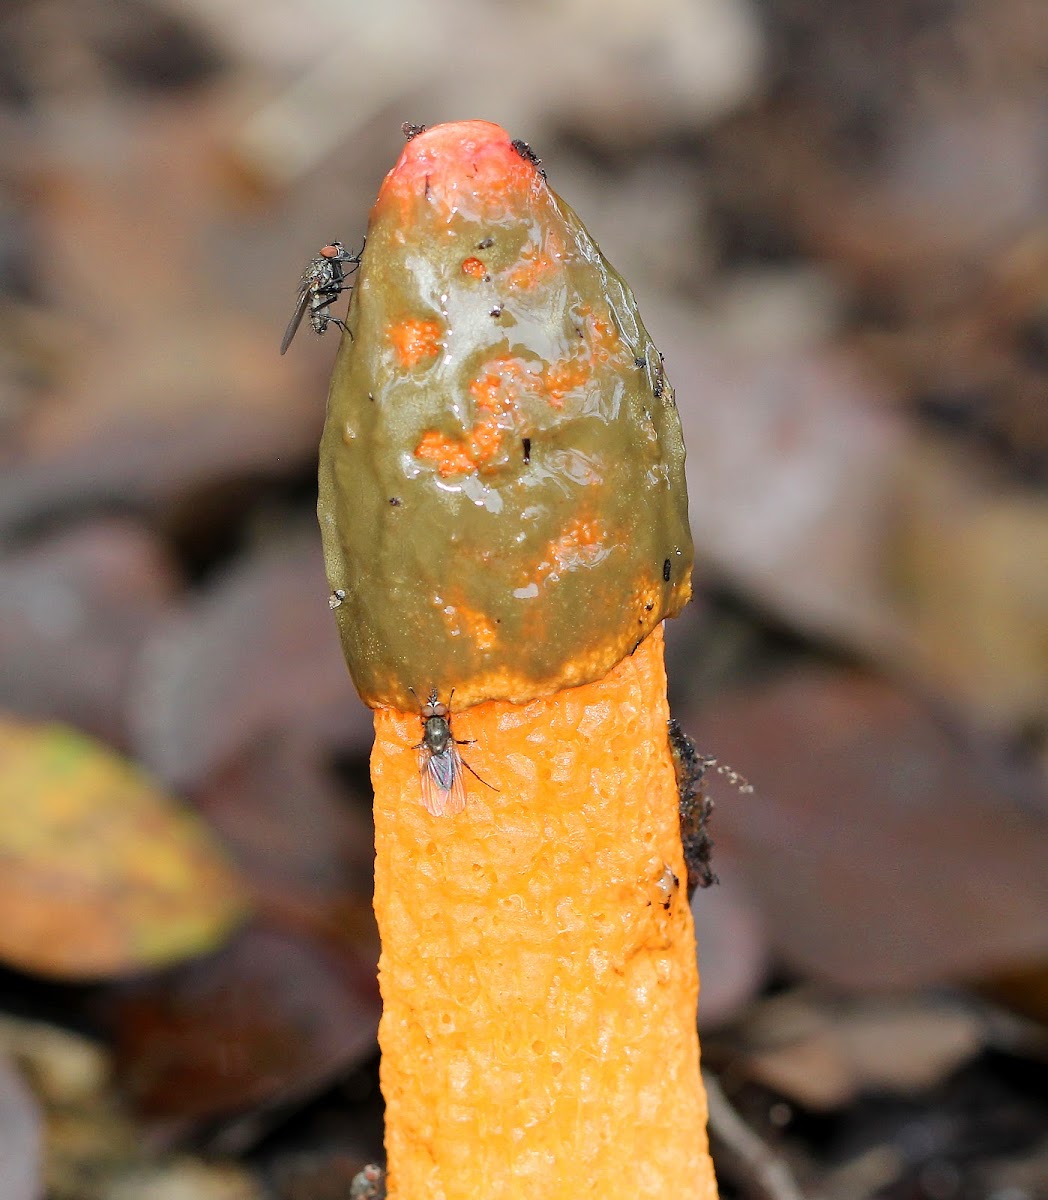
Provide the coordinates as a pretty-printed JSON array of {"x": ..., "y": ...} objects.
[{"x": 473, "y": 773}]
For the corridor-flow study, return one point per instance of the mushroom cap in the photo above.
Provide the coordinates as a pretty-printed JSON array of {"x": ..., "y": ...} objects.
[{"x": 502, "y": 493}]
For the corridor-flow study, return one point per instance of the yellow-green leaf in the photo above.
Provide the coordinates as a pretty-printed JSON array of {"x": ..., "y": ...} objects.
[{"x": 101, "y": 872}]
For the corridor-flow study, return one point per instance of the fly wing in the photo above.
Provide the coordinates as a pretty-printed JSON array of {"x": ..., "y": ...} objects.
[
  {"x": 296, "y": 318},
  {"x": 443, "y": 792}
]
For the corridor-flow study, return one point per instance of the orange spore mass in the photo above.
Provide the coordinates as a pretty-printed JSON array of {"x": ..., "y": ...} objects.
[
  {"x": 565, "y": 377},
  {"x": 415, "y": 340},
  {"x": 496, "y": 392},
  {"x": 503, "y": 383},
  {"x": 474, "y": 267},
  {"x": 450, "y": 456},
  {"x": 462, "y": 621},
  {"x": 582, "y": 542},
  {"x": 603, "y": 338}
]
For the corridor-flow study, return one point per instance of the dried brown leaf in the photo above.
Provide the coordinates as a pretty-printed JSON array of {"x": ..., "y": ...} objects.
[
  {"x": 258, "y": 652},
  {"x": 74, "y": 609},
  {"x": 269, "y": 1019},
  {"x": 824, "y": 1054},
  {"x": 884, "y": 850}
]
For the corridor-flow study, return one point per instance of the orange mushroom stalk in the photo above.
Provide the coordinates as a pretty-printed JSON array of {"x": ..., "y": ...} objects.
[{"x": 505, "y": 527}]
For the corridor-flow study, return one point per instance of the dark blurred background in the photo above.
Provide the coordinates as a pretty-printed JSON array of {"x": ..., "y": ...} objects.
[{"x": 835, "y": 217}]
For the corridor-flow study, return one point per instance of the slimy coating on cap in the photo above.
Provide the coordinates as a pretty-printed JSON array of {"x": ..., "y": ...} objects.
[{"x": 502, "y": 495}]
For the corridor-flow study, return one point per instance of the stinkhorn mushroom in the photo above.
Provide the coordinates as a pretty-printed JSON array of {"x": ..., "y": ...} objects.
[{"x": 504, "y": 519}]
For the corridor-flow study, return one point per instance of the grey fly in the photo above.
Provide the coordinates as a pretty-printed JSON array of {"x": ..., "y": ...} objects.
[
  {"x": 322, "y": 284},
  {"x": 439, "y": 762}
]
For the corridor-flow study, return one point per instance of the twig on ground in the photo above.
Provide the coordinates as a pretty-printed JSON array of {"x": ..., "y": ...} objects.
[{"x": 754, "y": 1167}]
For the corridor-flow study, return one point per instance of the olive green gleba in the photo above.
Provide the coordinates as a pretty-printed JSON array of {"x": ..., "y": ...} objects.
[{"x": 502, "y": 460}]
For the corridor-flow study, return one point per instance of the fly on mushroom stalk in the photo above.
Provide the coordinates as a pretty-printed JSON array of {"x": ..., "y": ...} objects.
[
  {"x": 439, "y": 762},
  {"x": 322, "y": 284}
]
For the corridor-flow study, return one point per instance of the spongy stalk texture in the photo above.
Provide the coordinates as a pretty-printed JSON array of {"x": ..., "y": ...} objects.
[{"x": 538, "y": 966}]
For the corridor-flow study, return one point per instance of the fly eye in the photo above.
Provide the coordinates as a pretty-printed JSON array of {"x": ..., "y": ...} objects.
[
  {"x": 331, "y": 251},
  {"x": 439, "y": 710}
]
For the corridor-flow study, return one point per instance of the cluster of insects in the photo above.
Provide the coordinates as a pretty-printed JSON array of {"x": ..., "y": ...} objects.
[
  {"x": 440, "y": 764},
  {"x": 696, "y": 808},
  {"x": 323, "y": 281}
]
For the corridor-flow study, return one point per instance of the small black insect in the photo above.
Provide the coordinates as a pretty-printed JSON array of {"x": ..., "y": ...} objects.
[
  {"x": 439, "y": 762},
  {"x": 410, "y": 130},
  {"x": 529, "y": 155},
  {"x": 323, "y": 282},
  {"x": 696, "y": 808}
]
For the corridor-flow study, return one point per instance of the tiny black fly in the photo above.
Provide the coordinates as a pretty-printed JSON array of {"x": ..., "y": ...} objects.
[
  {"x": 529, "y": 155},
  {"x": 439, "y": 762},
  {"x": 322, "y": 284}
]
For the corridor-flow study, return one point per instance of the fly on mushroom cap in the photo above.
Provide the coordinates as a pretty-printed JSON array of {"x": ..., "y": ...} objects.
[
  {"x": 322, "y": 283},
  {"x": 493, "y": 388}
]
